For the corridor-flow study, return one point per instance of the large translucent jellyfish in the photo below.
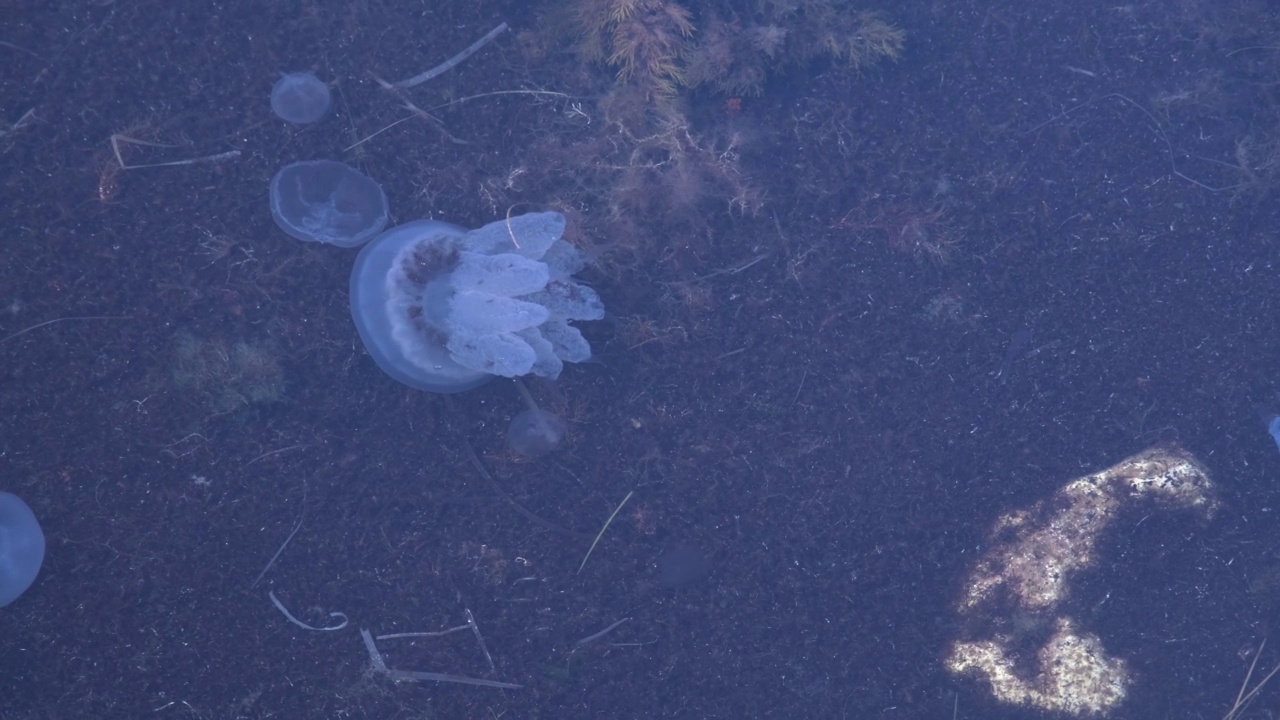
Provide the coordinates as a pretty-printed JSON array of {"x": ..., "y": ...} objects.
[{"x": 445, "y": 309}]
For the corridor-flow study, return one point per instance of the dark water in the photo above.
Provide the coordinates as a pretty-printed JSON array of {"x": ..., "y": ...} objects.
[{"x": 811, "y": 289}]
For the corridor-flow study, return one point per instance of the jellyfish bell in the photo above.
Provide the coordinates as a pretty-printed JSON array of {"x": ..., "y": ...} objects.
[
  {"x": 536, "y": 432},
  {"x": 21, "y": 547},
  {"x": 328, "y": 202},
  {"x": 301, "y": 98}
]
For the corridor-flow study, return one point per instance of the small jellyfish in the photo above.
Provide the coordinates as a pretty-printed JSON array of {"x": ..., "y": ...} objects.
[
  {"x": 300, "y": 98},
  {"x": 1267, "y": 414},
  {"x": 329, "y": 202},
  {"x": 21, "y": 547},
  {"x": 535, "y": 432}
]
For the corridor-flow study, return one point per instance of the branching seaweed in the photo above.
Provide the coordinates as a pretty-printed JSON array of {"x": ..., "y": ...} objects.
[
  {"x": 654, "y": 46},
  {"x": 645, "y": 40}
]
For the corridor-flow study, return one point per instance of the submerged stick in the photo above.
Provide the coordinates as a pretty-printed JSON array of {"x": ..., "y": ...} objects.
[
  {"x": 117, "y": 138},
  {"x": 1243, "y": 699},
  {"x": 380, "y": 666},
  {"x": 447, "y": 65},
  {"x": 471, "y": 620},
  {"x": 375, "y": 657},
  {"x": 601, "y": 533}
]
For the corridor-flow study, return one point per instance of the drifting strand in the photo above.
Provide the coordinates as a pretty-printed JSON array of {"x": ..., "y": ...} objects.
[
  {"x": 447, "y": 65},
  {"x": 493, "y": 93},
  {"x": 592, "y": 638},
  {"x": 37, "y": 326},
  {"x": 266, "y": 455},
  {"x": 601, "y": 533},
  {"x": 426, "y": 115},
  {"x": 301, "y": 516}
]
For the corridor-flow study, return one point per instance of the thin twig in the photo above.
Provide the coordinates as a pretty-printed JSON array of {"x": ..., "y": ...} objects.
[
  {"x": 1244, "y": 699},
  {"x": 380, "y": 666},
  {"x": 438, "y": 633},
  {"x": 478, "y": 96},
  {"x": 723, "y": 271},
  {"x": 602, "y": 633},
  {"x": 274, "y": 452},
  {"x": 117, "y": 138},
  {"x": 471, "y": 620},
  {"x": 1244, "y": 685},
  {"x": 37, "y": 326},
  {"x": 19, "y": 123},
  {"x": 367, "y": 138},
  {"x": 416, "y": 676},
  {"x": 21, "y": 49},
  {"x": 425, "y": 114},
  {"x": 447, "y": 65},
  {"x": 301, "y": 516},
  {"x": 434, "y": 122},
  {"x": 375, "y": 657},
  {"x": 601, "y": 533},
  {"x": 418, "y": 112},
  {"x": 289, "y": 616}
]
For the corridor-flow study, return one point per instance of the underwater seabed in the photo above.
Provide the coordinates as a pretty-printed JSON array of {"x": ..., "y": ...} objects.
[
  {"x": 924, "y": 390},
  {"x": 1020, "y": 638}
]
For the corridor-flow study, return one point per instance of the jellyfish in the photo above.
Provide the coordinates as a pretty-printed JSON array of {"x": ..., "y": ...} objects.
[
  {"x": 1271, "y": 419},
  {"x": 300, "y": 98},
  {"x": 445, "y": 309},
  {"x": 21, "y": 547},
  {"x": 329, "y": 202},
  {"x": 534, "y": 432}
]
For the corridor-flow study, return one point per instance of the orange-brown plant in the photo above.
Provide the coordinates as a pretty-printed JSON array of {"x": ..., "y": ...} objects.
[{"x": 645, "y": 40}]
